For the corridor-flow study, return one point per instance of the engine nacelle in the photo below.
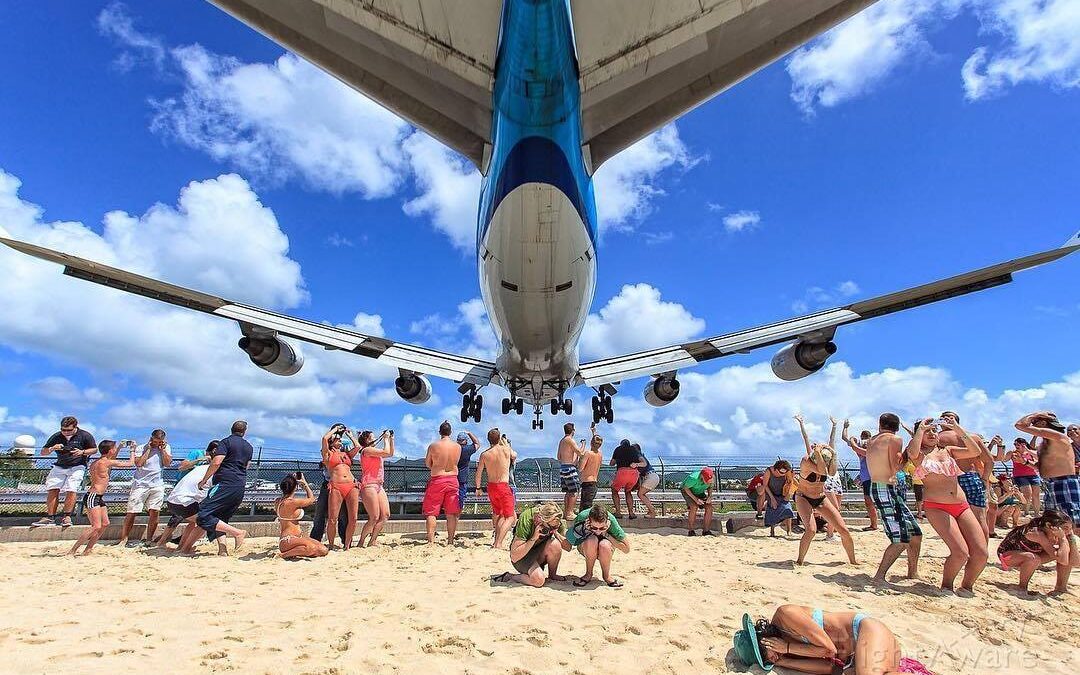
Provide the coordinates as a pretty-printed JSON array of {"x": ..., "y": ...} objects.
[
  {"x": 415, "y": 389},
  {"x": 798, "y": 360},
  {"x": 662, "y": 390},
  {"x": 272, "y": 354}
]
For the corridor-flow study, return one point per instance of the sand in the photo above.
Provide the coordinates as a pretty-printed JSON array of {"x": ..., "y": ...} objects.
[{"x": 404, "y": 607}]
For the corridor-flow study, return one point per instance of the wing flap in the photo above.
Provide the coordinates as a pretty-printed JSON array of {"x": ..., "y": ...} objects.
[
  {"x": 820, "y": 325},
  {"x": 399, "y": 355}
]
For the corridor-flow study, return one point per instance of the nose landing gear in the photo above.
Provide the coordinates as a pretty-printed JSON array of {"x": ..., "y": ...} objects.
[{"x": 538, "y": 423}]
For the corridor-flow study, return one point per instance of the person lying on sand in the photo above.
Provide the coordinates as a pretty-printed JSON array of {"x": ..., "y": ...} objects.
[
  {"x": 809, "y": 640},
  {"x": 1044, "y": 539},
  {"x": 596, "y": 534},
  {"x": 538, "y": 543}
]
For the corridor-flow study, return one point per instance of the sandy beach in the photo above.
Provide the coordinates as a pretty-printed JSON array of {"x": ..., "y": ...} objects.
[{"x": 405, "y": 607}]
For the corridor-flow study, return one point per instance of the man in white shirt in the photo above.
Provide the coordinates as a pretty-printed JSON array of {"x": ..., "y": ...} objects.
[
  {"x": 147, "y": 487},
  {"x": 183, "y": 504}
]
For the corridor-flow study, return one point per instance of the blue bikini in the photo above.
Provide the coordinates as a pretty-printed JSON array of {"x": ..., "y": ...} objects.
[{"x": 819, "y": 619}]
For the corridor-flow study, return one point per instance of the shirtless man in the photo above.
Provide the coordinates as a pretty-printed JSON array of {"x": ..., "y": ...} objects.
[
  {"x": 442, "y": 488},
  {"x": 883, "y": 461},
  {"x": 976, "y": 476},
  {"x": 569, "y": 477},
  {"x": 496, "y": 462},
  {"x": 589, "y": 468},
  {"x": 1056, "y": 465},
  {"x": 96, "y": 509}
]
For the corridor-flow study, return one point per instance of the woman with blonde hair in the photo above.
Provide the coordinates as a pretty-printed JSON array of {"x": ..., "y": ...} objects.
[
  {"x": 539, "y": 542},
  {"x": 816, "y": 467}
]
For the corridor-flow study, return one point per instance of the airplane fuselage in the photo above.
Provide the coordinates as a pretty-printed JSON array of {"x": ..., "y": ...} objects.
[{"x": 537, "y": 226}]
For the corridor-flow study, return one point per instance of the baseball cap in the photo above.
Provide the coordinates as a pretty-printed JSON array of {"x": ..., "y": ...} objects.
[{"x": 461, "y": 438}]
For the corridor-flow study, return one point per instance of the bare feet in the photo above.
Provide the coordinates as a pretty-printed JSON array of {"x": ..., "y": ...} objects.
[
  {"x": 222, "y": 549},
  {"x": 556, "y": 577},
  {"x": 238, "y": 541}
]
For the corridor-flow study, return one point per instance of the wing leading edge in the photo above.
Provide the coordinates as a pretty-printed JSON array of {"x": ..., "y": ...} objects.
[
  {"x": 817, "y": 326},
  {"x": 399, "y": 355}
]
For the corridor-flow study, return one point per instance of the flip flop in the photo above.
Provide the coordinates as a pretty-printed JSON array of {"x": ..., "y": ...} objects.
[
  {"x": 502, "y": 578},
  {"x": 582, "y": 582},
  {"x": 615, "y": 583}
]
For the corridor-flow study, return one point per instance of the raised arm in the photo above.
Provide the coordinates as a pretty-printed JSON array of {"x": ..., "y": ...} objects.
[
  {"x": 1024, "y": 424},
  {"x": 832, "y": 432},
  {"x": 385, "y": 450},
  {"x": 970, "y": 449},
  {"x": 802, "y": 430},
  {"x": 309, "y": 497},
  {"x": 141, "y": 459},
  {"x": 914, "y": 446}
]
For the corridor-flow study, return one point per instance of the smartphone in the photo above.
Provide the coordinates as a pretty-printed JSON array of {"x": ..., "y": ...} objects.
[{"x": 299, "y": 475}]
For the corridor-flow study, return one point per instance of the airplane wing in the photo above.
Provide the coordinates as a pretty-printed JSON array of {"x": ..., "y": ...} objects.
[
  {"x": 643, "y": 64},
  {"x": 430, "y": 61},
  {"x": 818, "y": 327},
  {"x": 399, "y": 355}
]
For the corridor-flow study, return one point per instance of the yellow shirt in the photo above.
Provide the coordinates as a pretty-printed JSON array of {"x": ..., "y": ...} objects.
[{"x": 909, "y": 469}]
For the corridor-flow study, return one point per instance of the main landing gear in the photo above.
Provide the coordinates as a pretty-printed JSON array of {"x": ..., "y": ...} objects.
[
  {"x": 472, "y": 404},
  {"x": 513, "y": 404},
  {"x": 602, "y": 408}
]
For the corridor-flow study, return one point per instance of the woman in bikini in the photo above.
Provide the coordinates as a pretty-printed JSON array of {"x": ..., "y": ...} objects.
[
  {"x": 946, "y": 507},
  {"x": 1042, "y": 540},
  {"x": 1025, "y": 463},
  {"x": 808, "y": 640},
  {"x": 816, "y": 467},
  {"x": 376, "y": 503},
  {"x": 342, "y": 485},
  {"x": 290, "y": 509},
  {"x": 1010, "y": 501}
]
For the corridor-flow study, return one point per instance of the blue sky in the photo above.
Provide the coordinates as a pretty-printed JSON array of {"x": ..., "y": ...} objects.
[{"x": 918, "y": 140}]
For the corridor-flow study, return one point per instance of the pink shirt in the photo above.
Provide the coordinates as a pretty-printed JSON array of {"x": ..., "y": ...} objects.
[{"x": 371, "y": 469}]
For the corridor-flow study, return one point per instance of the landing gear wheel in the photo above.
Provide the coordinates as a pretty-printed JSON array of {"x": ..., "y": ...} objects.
[
  {"x": 597, "y": 412},
  {"x": 568, "y": 407},
  {"x": 554, "y": 407},
  {"x": 478, "y": 408},
  {"x": 609, "y": 414},
  {"x": 519, "y": 406},
  {"x": 507, "y": 406},
  {"x": 464, "y": 415}
]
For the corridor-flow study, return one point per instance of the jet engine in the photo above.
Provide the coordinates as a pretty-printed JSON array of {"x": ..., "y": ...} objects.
[
  {"x": 413, "y": 388},
  {"x": 272, "y": 354},
  {"x": 800, "y": 359},
  {"x": 662, "y": 390}
]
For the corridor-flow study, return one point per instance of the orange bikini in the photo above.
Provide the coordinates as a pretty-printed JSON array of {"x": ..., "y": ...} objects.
[{"x": 334, "y": 460}]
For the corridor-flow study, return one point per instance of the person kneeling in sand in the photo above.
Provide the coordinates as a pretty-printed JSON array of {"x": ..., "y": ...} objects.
[
  {"x": 596, "y": 534},
  {"x": 496, "y": 462},
  {"x": 538, "y": 543},
  {"x": 290, "y": 509},
  {"x": 1044, "y": 539},
  {"x": 96, "y": 508},
  {"x": 809, "y": 640}
]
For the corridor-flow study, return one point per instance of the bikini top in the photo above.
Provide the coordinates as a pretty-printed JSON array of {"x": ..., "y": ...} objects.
[
  {"x": 297, "y": 519},
  {"x": 338, "y": 458},
  {"x": 945, "y": 467},
  {"x": 814, "y": 477}
]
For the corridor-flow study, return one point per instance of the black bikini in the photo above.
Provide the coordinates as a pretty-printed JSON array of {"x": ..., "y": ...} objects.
[
  {"x": 814, "y": 502},
  {"x": 814, "y": 477}
]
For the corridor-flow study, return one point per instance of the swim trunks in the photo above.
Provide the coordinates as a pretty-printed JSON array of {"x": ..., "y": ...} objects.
[
  {"x": 178, "y": 513},
  {"x": 569, "y": 478},
  {"x": 625, "y": 479},
  {"x": 1063, "y": 494},
  {"x": 588, "y": 494},
  {"x": 974, "y": 488},
  {"x": 899, "y": 525},
  {"x": 441, "y": 493},
  {"x": 93, "y": 500},
  {"x": 501, "y": 498},
  {"x": 525, "y": 564}
]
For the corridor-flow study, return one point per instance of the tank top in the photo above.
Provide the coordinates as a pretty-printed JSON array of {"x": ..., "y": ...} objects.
[
  {"x": 371, "y": 469},
  {"x": 776, "y": 485},
  {"x": 1020, "y": 469}
]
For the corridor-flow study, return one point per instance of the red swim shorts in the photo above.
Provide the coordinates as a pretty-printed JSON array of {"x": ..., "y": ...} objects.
[
  {"x": 625, "y": 479},
  {"x": 441, "y": 492},
  {"x": 502, "y": 499}
]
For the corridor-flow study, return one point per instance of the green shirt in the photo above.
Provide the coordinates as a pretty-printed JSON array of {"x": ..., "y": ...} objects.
[
  {"x": 577, "y": 534},
  {"x": 525, "y": 527},
  {"x": 696, "y": 485}
]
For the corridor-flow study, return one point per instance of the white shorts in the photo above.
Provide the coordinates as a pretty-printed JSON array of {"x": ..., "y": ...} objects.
[
  {"x": 834, "y": 485},
  {"x": 650, "y": 481},
  {"x": 150, "y": 498},
  {"x": 65, "y": 480}
]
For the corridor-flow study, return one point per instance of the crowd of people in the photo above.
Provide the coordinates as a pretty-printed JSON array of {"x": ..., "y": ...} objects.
[{"x": 950, "y": 470}]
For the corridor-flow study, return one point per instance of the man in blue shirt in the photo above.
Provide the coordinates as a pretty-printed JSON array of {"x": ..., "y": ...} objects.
[
  {"x": 469, "y": 445},
  {"x": 228, "y": 473}
]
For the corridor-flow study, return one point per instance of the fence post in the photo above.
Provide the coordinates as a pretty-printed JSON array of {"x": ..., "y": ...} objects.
[
  {"x": 539, "y": 475},
  {"x": 716, "y": 482}
]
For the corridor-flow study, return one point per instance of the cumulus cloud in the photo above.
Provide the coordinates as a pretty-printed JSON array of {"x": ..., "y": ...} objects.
[
  {"x": 637, "y": 319},
  {"x": 857, "y": 55},
  {"x": 741, "y": 220},
  {"x": 165, "y": 349},
  {"x": 817, "y": 297},
  {"x": 1041, "y": 45},
  {"x": 468, "y": 332},
  {"x": 62, "y": 390},
  {"x": 449, "y": 189}
]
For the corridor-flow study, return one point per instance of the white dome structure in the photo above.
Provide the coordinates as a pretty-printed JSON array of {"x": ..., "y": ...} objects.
[{"x": 24, "y": 444}]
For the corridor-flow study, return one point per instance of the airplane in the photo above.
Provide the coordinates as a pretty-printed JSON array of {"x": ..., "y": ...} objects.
[{"x": 538, "y": 94}]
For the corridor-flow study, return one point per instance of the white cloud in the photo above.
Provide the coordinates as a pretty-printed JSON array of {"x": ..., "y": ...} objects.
[
  {"x": 637, "y": 319},
  {"x": 1042, "y": 45},
  {"x": 741, "y": 220},
  {"x": 115, "y": 22},
  {"x": 164, "y": 349},
  {"x": 468, "y": 333},
  {"x": 450, "y": 189},
  {"x": 63, "y": 390},
  {"x": 854, "y": 57},
  {"x": 626, "y": 185},
  {"x": 817, "y": 297}
]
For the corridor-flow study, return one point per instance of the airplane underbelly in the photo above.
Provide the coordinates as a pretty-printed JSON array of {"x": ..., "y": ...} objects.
[{"x": 537, "y": 276}]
